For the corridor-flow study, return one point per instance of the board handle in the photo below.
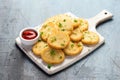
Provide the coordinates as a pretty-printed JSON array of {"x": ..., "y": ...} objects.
[{"x": 101, "y": 17}]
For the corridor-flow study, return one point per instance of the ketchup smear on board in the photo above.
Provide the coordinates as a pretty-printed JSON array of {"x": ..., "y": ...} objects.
[{"x": 29, "y": 34}]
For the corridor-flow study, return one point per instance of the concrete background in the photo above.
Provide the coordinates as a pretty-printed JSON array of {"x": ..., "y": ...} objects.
[{"x": 102, "y": 64}]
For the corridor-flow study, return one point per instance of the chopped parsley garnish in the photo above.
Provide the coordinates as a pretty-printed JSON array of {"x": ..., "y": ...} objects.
[
  {"x": 60, "y": 25},
  {"x": 60, "y": 57},
  {"x": 62, "y": 44},
  {"x": 39, "y": 40},
  {"x": 52, "y": 52},
  {"x": 36, "y": 46},
  {"x": 53, "y": 39},
  {"x": 49, "y": 66},
  {"x": 62, "y": 29},
  {"x": 44, "y": 26},
  {"x": 64, "y": 20},
  {"x": 45, "y": 45},
  {"x": 41, "y": 33},
  {"x": 72, "y": 45},
  {"x": 75, "y": 20},
  {"x": 79, "y": 45}
]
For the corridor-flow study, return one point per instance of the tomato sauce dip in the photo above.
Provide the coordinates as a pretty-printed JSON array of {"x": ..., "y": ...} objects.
[{"x": 29, "y": 34}]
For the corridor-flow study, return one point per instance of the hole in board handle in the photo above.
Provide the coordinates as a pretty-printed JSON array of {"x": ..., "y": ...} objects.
[{"x": 105, "y": 13}]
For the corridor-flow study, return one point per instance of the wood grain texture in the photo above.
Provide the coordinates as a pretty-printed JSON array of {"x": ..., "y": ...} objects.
[{"x": 102, "y": 64}]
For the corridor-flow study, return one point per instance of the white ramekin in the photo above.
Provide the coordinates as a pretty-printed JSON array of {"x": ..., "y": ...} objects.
[{"x": 31, "y": 41}]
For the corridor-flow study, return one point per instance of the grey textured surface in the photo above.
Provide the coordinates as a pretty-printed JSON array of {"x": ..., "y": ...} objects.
[{"x": 102, "y": 64}]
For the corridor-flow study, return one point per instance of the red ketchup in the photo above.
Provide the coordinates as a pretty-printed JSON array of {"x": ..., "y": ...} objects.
[{"x": 29, "y": 34}]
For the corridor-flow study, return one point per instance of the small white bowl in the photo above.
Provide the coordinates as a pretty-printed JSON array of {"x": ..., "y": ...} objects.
[{"x": 31, "y": 41}]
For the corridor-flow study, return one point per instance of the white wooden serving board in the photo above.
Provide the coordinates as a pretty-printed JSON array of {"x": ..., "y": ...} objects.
[{"x": 102, "y": 16}]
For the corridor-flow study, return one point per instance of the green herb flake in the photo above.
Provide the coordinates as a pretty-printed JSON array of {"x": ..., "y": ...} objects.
[
  {"x": 64, "y": 20},
  {"x": 45, "y": 46},
  {"x": 52, "y": 52},
  {"x": 41, "y": 33},
  {"x": 60, "y": 57},
  {"x": 62, "y": 44},
  {"x": 39, "y": 40},
  {"x": 60, "y": 25},
  {"x": 44, "y": 26},
  {"x": 62, "y": 29},
  {"x": 36, "y": 46},
  {"x": 79, "y": 45},
  {"x": 75, "y": 20},
  {"x": 49, "y": 66},
  {"x": 53, "y": 39},
  {"x": 72, "y": 45}
]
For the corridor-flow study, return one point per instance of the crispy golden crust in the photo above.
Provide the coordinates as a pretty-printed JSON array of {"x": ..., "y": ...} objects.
[
  {"x": 52, "y": 56},
  {"x": 65, "y": 25},
  {"x": 76, "y": 22},
  {"x": 83, "y": 25},
  {"x": 39, "y": 47},
  {"x": 90, "y": 38},
  {"x": 73, "y": 48},
  {"x": 63, "y": 34},
  {"x": 76, "y": 34},
  {"x": 46, "y": 30},
  {"x": 58, "y": 40},
  {"x": 63, "y": 22}
]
